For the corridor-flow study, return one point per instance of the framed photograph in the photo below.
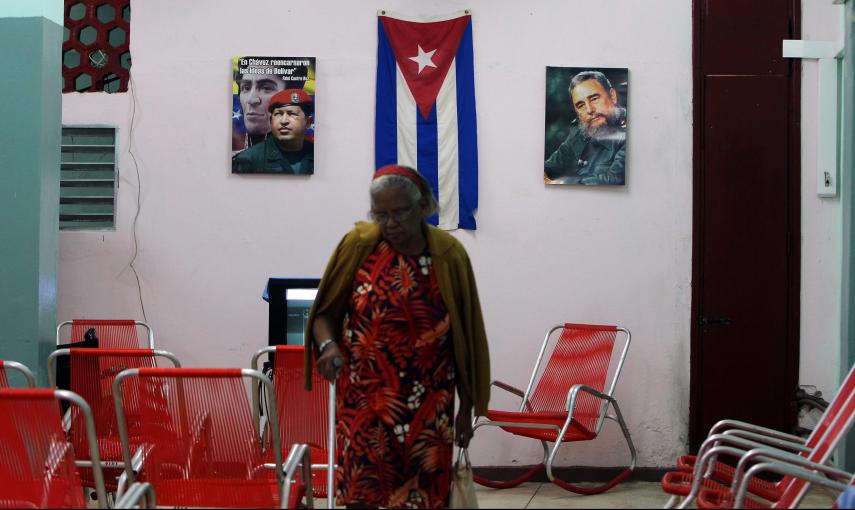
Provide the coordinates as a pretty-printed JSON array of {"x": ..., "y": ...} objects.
[
  {"x": 586, "y": 121},
  {"x": 273, "y": 115}
]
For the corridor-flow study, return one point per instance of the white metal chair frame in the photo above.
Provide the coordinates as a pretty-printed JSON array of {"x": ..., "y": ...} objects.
[
  {"x": 607, "y": 398},
  {"x": 21, "y": 369},
  {"x": 148, "y": 328},
  {"x": 331, "y": 440},
  {"x": 297, "y": 456}
]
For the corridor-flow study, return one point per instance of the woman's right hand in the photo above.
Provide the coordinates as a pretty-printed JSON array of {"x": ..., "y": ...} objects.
[{"x": 330, "y": 362}]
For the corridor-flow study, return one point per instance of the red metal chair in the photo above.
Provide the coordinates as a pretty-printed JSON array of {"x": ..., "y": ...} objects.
[
  {"x": 570, "y": 399},
  {"x": 199, "y": 444},
  {"x": 6, "y": 365},
  {"x": 37, "y": 463},
  {"x": 724, "y": 472},
  {"x": 740, "y": 437},
  {"x": 92, "y": 375},
  {"x": 305, "y": 417},
  {"x": 112, "y": 334},
  {"x": 801, "y": 472}
]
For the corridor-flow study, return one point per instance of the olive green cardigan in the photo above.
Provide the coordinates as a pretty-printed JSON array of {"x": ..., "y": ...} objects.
[{"x": 456, "y": 284}]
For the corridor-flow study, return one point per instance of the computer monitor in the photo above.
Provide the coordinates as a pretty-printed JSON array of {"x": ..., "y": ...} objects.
[
  {"x": 298, "y": 302},
  {"x": 290, "y": 301}
]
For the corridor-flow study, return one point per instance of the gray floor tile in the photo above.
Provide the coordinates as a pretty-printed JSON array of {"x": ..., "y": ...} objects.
[{"x": 517, "y": 497}]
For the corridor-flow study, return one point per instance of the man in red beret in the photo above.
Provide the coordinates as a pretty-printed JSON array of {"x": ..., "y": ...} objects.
[{"x": 286, "y": 150}]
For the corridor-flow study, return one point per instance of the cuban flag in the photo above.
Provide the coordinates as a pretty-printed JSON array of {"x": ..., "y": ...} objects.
[{"x": 425, "y": 110}]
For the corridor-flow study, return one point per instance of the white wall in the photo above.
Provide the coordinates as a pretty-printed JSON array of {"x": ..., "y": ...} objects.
[
  {"x": 819, "y": 360},
  {"x": 208, "y": 239}
]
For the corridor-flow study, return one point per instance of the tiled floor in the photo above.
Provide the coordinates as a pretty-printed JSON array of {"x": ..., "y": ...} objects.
[{"x": 625, "y": 495}]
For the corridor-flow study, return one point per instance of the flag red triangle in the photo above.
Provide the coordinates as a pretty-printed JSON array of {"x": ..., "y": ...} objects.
[{"x": 424, "y": 52}]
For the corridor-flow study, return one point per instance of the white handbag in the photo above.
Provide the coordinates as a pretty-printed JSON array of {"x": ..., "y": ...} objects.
[{"x": 462, "y": 486}]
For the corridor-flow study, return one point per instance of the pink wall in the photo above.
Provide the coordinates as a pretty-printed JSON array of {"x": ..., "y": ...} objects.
[{"x": 209, "y": 239}]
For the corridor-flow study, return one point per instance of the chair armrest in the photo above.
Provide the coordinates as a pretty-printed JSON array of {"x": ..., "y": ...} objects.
[
  {"x": 507, "y": 387},
  {"x": 780, "y": 444},
  {"x": 138, "y": 493},
  {"x": 512, "y": 389},
  {"x": 299, "y": 456},
  {"x": 757, "y": 429},
  {"x": 576, "y": 388},
  {"x": 712, "y": 446},
  {"x": 786, "y": 469},
  {"x": 764, "y": 454}
]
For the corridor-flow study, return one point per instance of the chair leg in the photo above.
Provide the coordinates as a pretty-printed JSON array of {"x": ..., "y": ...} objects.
[
  {"x": 528, "y": 475},
  {"x": 510, "y": 483},
  {"x": 597, "y": 489}
]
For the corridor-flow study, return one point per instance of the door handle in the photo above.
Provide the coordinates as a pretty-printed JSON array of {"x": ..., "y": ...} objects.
[{"x": 724, "y": 321}]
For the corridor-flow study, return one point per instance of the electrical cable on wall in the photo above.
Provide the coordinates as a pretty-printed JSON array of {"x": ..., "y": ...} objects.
[{"x": 139, "y": 194}]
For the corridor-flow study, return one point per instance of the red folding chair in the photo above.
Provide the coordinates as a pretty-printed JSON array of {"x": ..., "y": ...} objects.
[
  {"x": 92, "y": 375},
  {"x": 794, "y": 485},
  {"x": 719, "y": 475},
  {"x": 14, "y": 366},
  {"x": 112, "y": 334},
  {"x": 37, "y": 463},
  {"x": 199, "y": 445},
  {"x": 305, "y": 417},
  {"x": 570, "y": 400}
]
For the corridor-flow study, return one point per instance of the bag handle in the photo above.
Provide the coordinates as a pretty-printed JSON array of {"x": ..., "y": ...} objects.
[{"x": 463, "y": 454}]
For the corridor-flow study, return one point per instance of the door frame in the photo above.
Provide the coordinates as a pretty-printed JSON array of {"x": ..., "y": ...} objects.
[{"x": 696, "y": 377}]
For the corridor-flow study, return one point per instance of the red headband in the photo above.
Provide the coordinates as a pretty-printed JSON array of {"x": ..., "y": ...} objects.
[{"x": 403, "y": 171}]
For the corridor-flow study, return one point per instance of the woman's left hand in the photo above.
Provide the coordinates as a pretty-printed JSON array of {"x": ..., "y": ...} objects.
[{"x": 463, "y": 427}]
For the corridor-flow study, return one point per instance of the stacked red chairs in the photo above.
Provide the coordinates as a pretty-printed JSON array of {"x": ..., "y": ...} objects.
[
  {"x": 568, "y": 400},
  {"x": 199, "y": 444},
  {"x": 37, "y": 463},
  {"x": 14, "y": 366},
  {"x": 714, "y": 483},
  {"x": 92, "y": 375},
  {"x": 112, "y": 334},
  {"x": 305, "y": 417}
]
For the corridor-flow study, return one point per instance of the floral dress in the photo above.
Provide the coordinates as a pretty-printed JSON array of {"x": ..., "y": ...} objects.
[{"x": 396, "y": 392}]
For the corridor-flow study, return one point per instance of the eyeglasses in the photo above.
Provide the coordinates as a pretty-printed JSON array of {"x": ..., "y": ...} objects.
[{"x": 398, "y": 215}]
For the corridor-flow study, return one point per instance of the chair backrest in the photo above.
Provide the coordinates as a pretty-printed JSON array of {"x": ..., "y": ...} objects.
[
  {"x": 847, "y": 389},
  {"x": 582, "y": 354},
  {"x": 112, "y": 334},
  {"x": 303, "y": 415},
  {"x": 6, "y": 365},
  {"x": 37, "y": 463},
  {"x": 794, "y": 489},
  {"x": 92, "y": 375},
  {"x": 201, "y": 447}
]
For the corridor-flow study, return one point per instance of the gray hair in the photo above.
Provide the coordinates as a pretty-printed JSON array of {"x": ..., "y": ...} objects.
[
  {"x": 590, "y": 75},
  {"x": 405, "y": 184}
]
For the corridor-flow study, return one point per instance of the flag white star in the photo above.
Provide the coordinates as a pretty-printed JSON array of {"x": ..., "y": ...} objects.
[
  {"x": 236, "y": 115},
  {"x": 423, "y": 59}
]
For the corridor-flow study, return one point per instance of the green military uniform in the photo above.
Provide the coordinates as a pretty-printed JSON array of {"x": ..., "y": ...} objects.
[
  {"x": 583, "y": 161},
  {"x": 267, "y": 157}
]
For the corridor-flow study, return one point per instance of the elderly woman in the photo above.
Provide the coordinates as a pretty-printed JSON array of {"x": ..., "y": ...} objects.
[{"x": 398, "y": 304}]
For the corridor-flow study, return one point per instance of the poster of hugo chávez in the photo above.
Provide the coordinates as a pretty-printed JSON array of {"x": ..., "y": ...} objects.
[
  {"x": 273, "y": 115},
  {"x": 586, "y": 120}
]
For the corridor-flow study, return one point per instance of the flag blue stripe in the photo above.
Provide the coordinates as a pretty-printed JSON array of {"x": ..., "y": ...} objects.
[
  {"x": 427, "y": 157},
  {"x": 386, "y": 105},
  {"x": 467, "y": 140}
]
